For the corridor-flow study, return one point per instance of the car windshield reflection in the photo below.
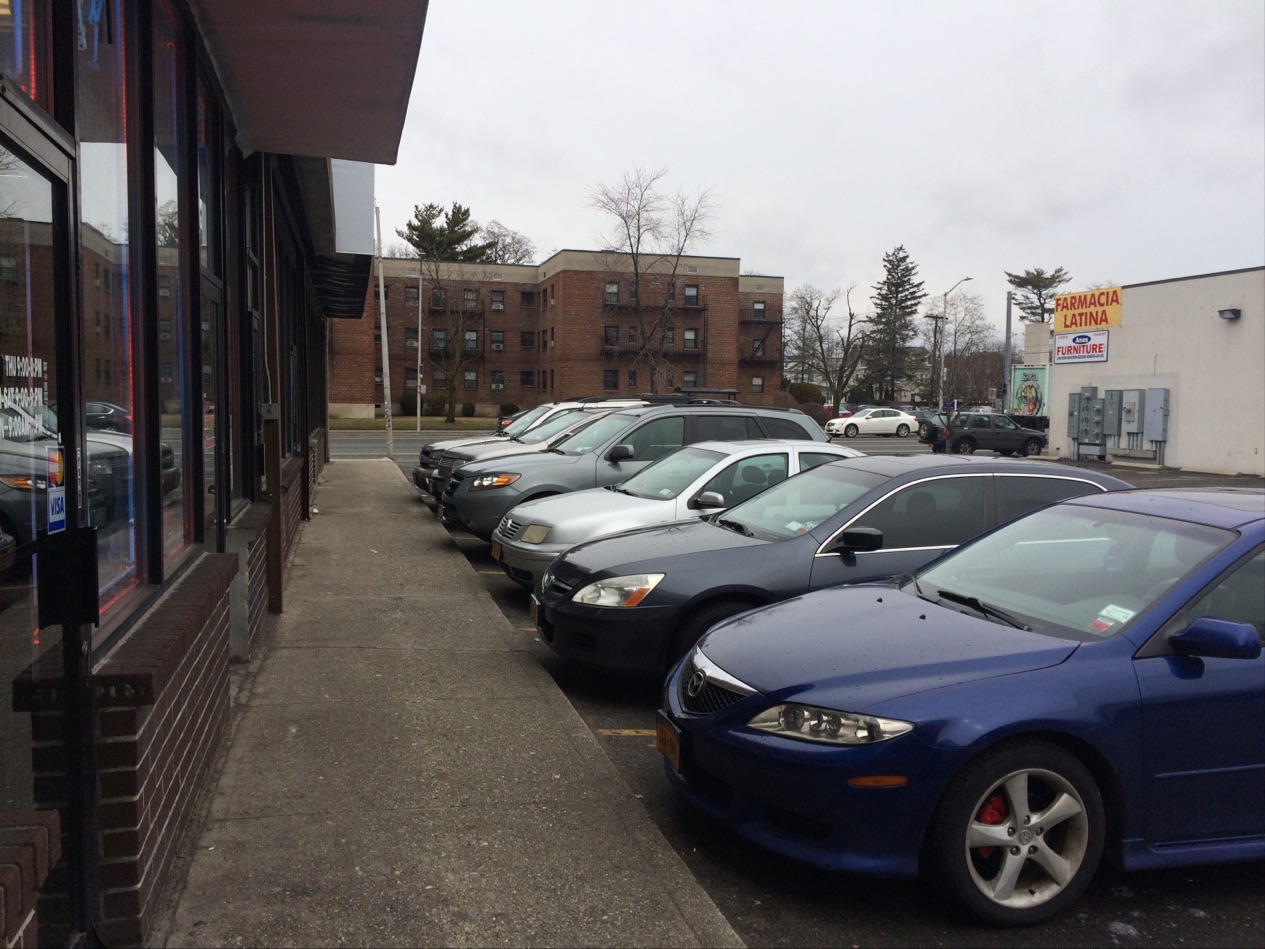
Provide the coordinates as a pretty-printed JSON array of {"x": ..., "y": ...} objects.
[
  {"x": 798, "y": 504},
  {"x": 1072, "y": 571}
]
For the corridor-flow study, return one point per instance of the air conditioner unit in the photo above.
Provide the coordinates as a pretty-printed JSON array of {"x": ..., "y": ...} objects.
[
  {"x": 498, "y": 385},
  {"x": 164, "y": 292},
  {"x": 164, "y": 336},
  {"x": 498, "y": 306},
  {"x": 497, "y": 347},
  {"x": 410, "y": 343}
]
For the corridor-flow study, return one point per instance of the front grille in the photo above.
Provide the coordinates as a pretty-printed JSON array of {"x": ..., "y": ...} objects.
[
  {"x": 450, "y": 488},
  {"x": 707, "y": 700},
  {"x": 555, "y": 587},
  {"x": 509, "y": 528}
]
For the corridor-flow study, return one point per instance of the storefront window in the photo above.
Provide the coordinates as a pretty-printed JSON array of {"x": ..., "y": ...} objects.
[
  {"x": 172, "y": 384},
  {"x": 105, "y": 294},
  {"x": 24, "y": 43}
]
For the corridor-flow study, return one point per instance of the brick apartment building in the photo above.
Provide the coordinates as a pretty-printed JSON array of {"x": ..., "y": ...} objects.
[{"x": 580, "y": 323}]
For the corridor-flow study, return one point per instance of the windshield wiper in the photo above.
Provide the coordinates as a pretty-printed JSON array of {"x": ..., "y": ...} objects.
[
  {"x": 980, "y": 606},
  {"x": 734, "y": 526}
]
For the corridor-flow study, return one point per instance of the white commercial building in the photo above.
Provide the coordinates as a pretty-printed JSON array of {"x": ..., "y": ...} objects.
[{"x": 1170, "y": 372}]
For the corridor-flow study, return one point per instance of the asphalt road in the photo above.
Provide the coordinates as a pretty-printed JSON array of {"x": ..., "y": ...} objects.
[{"x": 773, "y": 902}]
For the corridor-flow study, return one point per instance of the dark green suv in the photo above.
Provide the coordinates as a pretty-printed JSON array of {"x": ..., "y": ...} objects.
[{"x": 969, "y": 432}]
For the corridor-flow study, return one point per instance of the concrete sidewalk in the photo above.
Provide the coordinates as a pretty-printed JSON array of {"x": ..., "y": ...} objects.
[{"x": 401, "y": 771}]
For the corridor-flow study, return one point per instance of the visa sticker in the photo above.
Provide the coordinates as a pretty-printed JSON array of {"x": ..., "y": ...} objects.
[{"x": 56, "y": 491}]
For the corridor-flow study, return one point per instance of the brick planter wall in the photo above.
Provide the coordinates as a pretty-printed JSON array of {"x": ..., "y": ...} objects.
[{"x": 30, "y": 844}]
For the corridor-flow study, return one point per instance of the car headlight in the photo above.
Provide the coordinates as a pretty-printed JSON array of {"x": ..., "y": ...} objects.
[
  {"x": 535, "y": 534},
  {"x": 25, "y": 482},
  {"x": 808, "y": 723},
  {"x": 619, "y": 591},
  {"x": 487, "y": 482}
]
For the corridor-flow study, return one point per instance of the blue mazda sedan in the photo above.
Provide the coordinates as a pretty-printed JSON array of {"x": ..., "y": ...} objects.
[{"x": 1084, "y": 682}]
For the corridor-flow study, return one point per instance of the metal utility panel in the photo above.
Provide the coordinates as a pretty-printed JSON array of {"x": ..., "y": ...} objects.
[
  {"x": 1073, "y": 412},
  {"x": 1155, "y": 427},
  {"x": 1111, "y": 413},
  {"x": 1131, "y": 411},
  {"x": 1089, "y": 429}
]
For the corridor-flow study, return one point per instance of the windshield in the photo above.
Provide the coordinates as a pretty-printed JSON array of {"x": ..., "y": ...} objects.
[
  {"x": 1071, "y": 571},
  {"x": 673, "y": 473},
  {"x": 798, "y": 504},
  {"x": 524, "y": 422},
  {"x": 546, "y": 430},
  {"x": 592, "y": 437}
]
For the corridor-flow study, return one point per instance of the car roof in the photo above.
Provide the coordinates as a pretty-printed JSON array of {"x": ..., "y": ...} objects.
[
  {"x": 695, "y": 406},
  {"x": 893, "y": 466},
  {"x": 756, "y": 445},
  {"x": 1219, "y": 507}
]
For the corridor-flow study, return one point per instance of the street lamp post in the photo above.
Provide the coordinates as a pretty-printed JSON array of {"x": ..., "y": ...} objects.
[{"x": 944, "y": 315}]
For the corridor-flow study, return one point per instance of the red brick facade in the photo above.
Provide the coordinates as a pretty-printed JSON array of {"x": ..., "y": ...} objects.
[{"x": 540, "y": 332}]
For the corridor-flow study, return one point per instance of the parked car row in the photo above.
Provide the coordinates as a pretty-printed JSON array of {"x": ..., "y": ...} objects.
[{"x": 994, "y": 671}]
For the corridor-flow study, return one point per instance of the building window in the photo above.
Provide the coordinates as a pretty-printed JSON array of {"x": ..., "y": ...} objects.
[
  {"x": 632, "y": 334},
  {"x": 672, "y": 290},
  {"x": 438, "y": 298},
  {"x": 527, "y": 299},
  {"x": 410, "y": 337},
  {"x": 611, "y": 337},
  {"x": 470, "y": 299},
  {"x": 498, "y": 380},
  {"x": 384, "y": 290},
  {"x": 377, "y": 376},
  {"x": 472, "y": 341},
  {"x": 441, "y": 379},
  {"x": 632, "y": 292},
  {"x": 689, "y": 380},
  {"x": 527, "y": 339},
  {"x": 757, "y": 384},
  {"x": 410, "y": 377},
  {"x": 498, "y": 340},
  {"x": 498, "y": 299},
  {"x": 632, "y": 378},
  {"x": 377, "y": 331},
  {"x": 439, "y": 339},
  {"x": 610, "y": 378},
  {"x": 527, "y": 378},
  {"x": 757, "y": 347},
  {"x": 669, "y": 336},
  {"x": 411, "y": 295},
  {"x": 691, "y": 339},
  {"x": 472, "y": 380},
  {"x": 757, "y": 310},
  {"x": 691, "y": 295},
  {"x": 612, "y": 293}
]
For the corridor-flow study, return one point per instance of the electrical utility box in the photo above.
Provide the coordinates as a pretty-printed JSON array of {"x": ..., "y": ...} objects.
[
  {"x": 1132, "y": 407},
  {"x": 1111, "y": 413},
  {"x": 1089, "y": 427},
  {"x": 1155, "y": 424}
]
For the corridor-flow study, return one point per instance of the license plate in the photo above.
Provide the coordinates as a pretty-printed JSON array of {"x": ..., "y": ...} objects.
[
  {"x": 496, "y": 551},
  {"x": 667, "y": 738}
]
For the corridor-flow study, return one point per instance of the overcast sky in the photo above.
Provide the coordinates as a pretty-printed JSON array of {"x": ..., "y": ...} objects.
[{"x": 1123, "y": 140}]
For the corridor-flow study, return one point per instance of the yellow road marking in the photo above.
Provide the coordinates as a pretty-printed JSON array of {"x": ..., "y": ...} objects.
[
  {"x": 625, "y": 732},
  {"x": 490, "y": 573}
]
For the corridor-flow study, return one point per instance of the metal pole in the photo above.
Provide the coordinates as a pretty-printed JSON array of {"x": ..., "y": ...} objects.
[
  {"x": 945, "y": 340},
  {"x": 418, "y": 381},
  {"x": 382, "y": 323},
  {"x": 1005, "y": 378}
]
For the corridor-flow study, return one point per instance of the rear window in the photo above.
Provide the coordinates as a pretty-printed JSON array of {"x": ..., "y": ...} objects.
[
  {"x": 1017, "y": 495},
  {"x": 779, "y": 427}
]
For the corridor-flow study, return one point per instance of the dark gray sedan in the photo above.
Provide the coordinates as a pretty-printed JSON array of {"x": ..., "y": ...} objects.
[{"x": 636, "y": 601}]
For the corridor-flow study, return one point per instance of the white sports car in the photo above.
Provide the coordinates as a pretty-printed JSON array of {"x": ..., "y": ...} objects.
[{"x": 873, "y": 422}]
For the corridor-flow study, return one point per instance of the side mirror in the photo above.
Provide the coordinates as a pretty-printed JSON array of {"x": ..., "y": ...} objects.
[
  {"x": 619, "y": 453},
  {"x": 857, "y": 540},
  {"x": 708, "y": 499},
  {"x": 1217, "y": 639}
]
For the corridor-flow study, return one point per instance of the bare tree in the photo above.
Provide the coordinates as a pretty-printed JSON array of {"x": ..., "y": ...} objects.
[
  {"x": 971, "y": 356},
  {"x": 508, "y": 247},
  {"x": 455, "y": 321},
  {"x": 650, "y": 232},
  {"x": 825, "y": 349}
]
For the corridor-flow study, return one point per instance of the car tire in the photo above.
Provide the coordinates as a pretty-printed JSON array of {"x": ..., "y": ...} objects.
[
  {"x": 1031, "y": 447},
  {"x": 698, "y": 621},
  {"x": 902, "y": 430},
  {"x": 850, "y": 431},
  {"x": 1013, "y": 822},
  {"x": 964, "y": 446},
  {"x": 923, "y": 429}
]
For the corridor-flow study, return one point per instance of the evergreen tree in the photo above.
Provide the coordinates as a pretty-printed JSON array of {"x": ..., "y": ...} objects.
[
  {"x": 452, "y": 239},
  {"x": 896, "y": 300},
  {"x": 1034, "y": 292}
]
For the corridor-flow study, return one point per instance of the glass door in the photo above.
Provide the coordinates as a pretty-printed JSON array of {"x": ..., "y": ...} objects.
[{"x": 47, "y": 502}]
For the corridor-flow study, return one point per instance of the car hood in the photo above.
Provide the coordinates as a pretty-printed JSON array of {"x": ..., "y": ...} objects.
[
  {"x": 536, "y": 458},
  {"x": 493, "y": 449},
  {"x": 853, "y": 648},
  {"x": 593, "y": 512},
  {"x": 676, "y": 539}
]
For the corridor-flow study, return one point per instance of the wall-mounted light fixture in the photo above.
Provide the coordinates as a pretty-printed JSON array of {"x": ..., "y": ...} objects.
[{"x": 1229, "y": 314}]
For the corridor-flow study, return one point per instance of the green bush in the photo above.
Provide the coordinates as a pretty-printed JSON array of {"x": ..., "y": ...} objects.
[
  {"x": 408, "y": 402},
  {"x": 435, "y": 404},
  {"x": 803, "y": 392},
  {"x": 467, "y": 409}
]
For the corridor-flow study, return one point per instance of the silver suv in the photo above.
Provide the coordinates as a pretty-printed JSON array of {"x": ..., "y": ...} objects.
[{"x": 607, "y": 451}]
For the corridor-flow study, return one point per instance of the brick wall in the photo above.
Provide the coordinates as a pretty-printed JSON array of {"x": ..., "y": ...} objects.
[
  {"x": 30, "y": 845},
  {"x": 292, "y": 512},
  {"x": 160, "y": 706}
]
